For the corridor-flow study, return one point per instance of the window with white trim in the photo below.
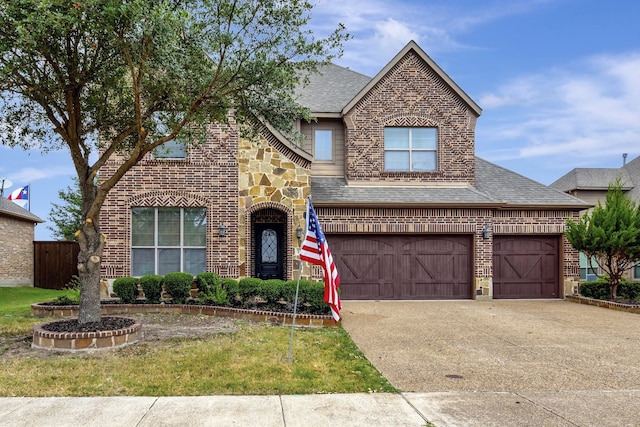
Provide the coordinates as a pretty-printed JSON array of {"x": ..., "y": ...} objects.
[
  {"x": 323, "y": 144},
  {"x": 164, "y": 240},
  {"x": 410, "y": 149},
  {"x": 636, "y": 272}
]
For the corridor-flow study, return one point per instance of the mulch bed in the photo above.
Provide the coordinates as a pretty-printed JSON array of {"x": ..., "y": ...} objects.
[{"x": 105, "y": 324}]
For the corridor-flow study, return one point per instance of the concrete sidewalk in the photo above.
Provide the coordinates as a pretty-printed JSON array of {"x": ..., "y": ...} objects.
[{"x": 566, "y": 408}]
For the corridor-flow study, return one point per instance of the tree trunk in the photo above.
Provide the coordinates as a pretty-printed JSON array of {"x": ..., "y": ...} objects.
[{"x": 89, "y": 262}]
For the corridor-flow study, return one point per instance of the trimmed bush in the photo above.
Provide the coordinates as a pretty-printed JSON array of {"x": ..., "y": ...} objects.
[
  {"x": 218, "y": 296},
  {"x": 126, "y": 288},
  {"x": 599, "y": 289},
  {"x": 232, "y": 288},
  {"x": 271, "y": 291},
  {"x": 151, "y": 285},
  {"x": 248, "y": 288},
  {"x": 178, "y": 286},
  {"x": 207, "y": 282}
]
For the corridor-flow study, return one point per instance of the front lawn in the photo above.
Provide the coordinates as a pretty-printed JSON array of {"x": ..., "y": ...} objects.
[{"x": 251, "y": 360}]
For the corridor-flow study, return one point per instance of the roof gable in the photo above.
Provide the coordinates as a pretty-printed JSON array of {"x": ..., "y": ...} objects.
[
  {"x": 8, "y": 208},
  {"x": 413, "y": 48}
]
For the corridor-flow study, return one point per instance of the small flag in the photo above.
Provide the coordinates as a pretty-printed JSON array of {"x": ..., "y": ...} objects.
[
  {"x": 21, "y": 193},
  {"x": 315, "y": 250}
]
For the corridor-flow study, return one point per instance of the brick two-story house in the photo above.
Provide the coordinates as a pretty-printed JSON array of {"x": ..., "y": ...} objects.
[{"x": 408, "y": 209}]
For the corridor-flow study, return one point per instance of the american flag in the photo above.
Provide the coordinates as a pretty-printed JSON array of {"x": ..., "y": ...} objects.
[{"x": 316, "y": 251}]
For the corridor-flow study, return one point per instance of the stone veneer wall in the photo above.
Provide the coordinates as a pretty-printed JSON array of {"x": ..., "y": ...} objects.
[
  {"x": 208, "y": 177},
  {"x": 16, "y": 252},
  {"x": 411, "y": 94},
  {"x": 269, "y": 179}
]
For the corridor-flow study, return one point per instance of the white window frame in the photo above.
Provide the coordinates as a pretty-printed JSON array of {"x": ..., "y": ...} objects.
[
  {"x": 411, "y": 150},
  {"x": 156, "y": 247}
]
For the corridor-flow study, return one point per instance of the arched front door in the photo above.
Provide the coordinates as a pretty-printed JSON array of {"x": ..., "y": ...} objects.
[{"x": 270, "y": 249}]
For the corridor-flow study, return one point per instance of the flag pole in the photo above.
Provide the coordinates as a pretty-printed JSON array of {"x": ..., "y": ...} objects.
[
  {"x": 295, "y": 301},
  {"x": 29, "y": 196}
]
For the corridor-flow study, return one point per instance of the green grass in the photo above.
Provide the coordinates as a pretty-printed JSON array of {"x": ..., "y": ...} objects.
[
  {"x": 15, "y": 307},
  {"x": 251, "y": 361}
]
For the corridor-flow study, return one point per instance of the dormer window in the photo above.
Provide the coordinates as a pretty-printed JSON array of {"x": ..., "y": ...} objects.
[{"x": 410, "y": 149}]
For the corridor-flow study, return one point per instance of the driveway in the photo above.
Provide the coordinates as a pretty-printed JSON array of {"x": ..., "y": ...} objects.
[{"x": 543, "y": 362}]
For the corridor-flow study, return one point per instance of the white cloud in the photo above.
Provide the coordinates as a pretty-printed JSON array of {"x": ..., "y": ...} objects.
[
  {"x": 30, "y": 174},
  {"x": 589, "y": 113}
]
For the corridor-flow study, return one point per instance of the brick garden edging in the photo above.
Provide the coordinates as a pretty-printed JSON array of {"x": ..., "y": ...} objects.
[
  {"x": 312, "y": 320},
  {"x": 80, "y": 341},
  {"x": 629, "y": 308}
]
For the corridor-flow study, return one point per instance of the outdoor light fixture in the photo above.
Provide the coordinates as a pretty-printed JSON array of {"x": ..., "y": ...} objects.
[
  {"x": 222, "y": 230},
  {"x": 486, "y": 232},
  {"x": 299, "y": 232}
]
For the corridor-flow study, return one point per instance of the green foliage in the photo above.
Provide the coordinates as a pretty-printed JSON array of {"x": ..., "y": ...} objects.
[
  {"x": 67, "y": 216},
  {"x": 232, "y": 287},
  {"x": 271, "y": 291},
  {"x": 248, "y": 288},
  {"x": 151, "y": 285},
  {"x": 207, "y": 282},
  {"x": 178, "y": 286},
  {"x": 610, "y": 234},
  {"x": 600, "y": 289},
  {"x": 217, "y": 296},
  {"x": 124, "y": 77},
  {"x": 126, "y": 288}
]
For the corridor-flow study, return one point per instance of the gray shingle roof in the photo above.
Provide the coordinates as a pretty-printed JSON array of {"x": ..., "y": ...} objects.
[
  {"x": 331, "y": 89},
  {"x": 514, "y": 189},
  {"x": 495, "y": 186},
  {"x": 8, "y": 208},
  {"x": 591, "y": 179}
]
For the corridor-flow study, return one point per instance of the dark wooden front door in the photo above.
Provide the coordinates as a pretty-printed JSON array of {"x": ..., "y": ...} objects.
[
  {"x": 403, "y": 266},
  {"x": 269, "y": 240},
  {"x": 526, "y": 267}
]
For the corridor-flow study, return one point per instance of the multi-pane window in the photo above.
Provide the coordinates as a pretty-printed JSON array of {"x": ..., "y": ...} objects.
[
  {"x": 636, "y": 272},
  {"x": 323, "y": 144},
  {"x": 410, "y": 149},
  {"x": 164, "y": 240}
]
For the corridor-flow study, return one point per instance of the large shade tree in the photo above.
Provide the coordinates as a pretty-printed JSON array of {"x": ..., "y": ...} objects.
[
  {"x": 122, "y": 77},
  {"x": 609, "y": 235}
]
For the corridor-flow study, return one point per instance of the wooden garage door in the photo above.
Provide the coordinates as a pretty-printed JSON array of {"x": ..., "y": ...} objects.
[
  {"x": 403, "y": 266},
  {"x": 526, "y": 267}
]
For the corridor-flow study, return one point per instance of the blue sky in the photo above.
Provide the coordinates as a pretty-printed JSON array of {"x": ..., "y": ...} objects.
[{"x": 558, "y": 80}]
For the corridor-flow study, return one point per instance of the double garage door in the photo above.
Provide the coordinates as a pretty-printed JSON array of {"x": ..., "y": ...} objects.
[{"x": 441, "y": 266}]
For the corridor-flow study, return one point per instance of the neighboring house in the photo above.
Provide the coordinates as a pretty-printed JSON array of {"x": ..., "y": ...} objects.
[
  {"x": 17, "y": 228},
  {"x": 591, "y": 185},
  {"x": 408, "y": 209}
]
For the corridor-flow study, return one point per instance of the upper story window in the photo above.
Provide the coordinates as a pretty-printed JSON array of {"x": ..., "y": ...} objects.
[
  {"x": 323, "y": 144},
  {"x": 410, "y": 149},
  {"x": 174, "y": 149}
]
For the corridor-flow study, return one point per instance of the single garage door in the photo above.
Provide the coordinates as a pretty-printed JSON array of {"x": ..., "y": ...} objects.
[
  {"x": 403, "y": 266},
  {"x": 526, "y": 266}
]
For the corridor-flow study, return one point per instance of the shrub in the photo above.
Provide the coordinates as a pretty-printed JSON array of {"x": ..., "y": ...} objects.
[
  {"x": 126, "y": 288},
  {"x": 271, "y": 291},
  {"x": 599, "y": 289},
  {"x": 207, "y": 282},
  {"x": 217, "y": 296},
  {"x": 232, "y": 288},
  {"x": 178, "y": 286},
  {"x": 151, "y": 285},
  {"x": 248, "y": 288}
]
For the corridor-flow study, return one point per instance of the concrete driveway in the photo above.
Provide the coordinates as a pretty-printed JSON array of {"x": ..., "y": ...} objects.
[{"x": 547, "y": 362}]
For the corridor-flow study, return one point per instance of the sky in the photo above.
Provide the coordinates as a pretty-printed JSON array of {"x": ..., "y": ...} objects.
[{"x": 558, "y": 80}]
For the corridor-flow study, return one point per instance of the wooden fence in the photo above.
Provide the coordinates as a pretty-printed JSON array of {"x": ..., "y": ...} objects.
[{"x": 54, "y": 263}]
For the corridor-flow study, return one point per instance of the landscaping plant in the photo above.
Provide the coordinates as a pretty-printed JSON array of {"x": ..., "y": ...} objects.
[{"x": 178, "y": 286}]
